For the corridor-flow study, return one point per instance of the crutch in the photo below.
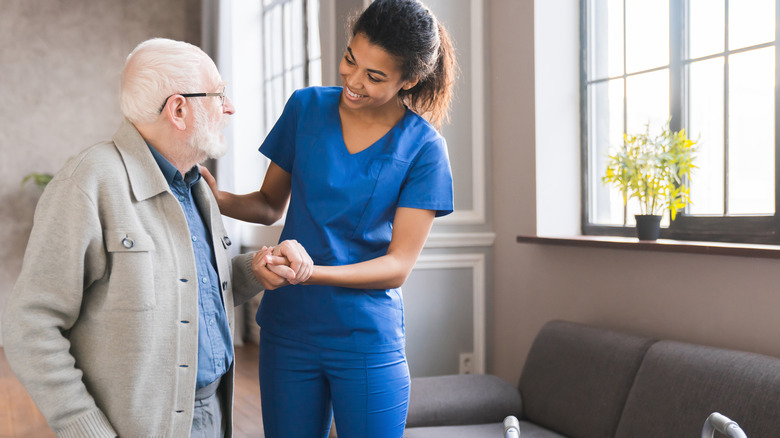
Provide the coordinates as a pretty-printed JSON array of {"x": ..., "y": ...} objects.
[
  {"x": 722, "y": 424},
  {"x": 511, "y": 427}
]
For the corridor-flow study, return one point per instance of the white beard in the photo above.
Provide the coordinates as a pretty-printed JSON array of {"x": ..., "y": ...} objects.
[{"x": 207, "y": 140}]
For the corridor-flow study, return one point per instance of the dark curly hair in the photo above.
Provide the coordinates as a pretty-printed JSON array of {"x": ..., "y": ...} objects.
[{"x": 409, "y": 31}]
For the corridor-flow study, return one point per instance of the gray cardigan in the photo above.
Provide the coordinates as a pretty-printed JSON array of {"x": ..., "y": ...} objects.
[{"x": 101, "y": 327}]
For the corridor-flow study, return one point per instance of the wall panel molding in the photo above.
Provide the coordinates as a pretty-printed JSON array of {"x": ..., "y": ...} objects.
[
  {"x": 475, "y": 262},
  {"x": 460, "y": 240}
]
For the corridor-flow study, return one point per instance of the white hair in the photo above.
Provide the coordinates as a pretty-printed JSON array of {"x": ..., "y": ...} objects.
[{"x": 156, "y": 69}]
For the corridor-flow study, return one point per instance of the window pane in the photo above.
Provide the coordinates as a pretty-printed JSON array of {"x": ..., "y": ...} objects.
[
  {"x": 647, "y": 105},
  {"x": 275, "y": 19},
  {"x": 606, "y": 39},
  {"x": 267, "y": 46},
  {"x": 313, "y": 9},
  {"x": 606, "y": 132},
  {"x": 287, "y": 35},
  {"x": 315, "y": 72},
  {"x": 752, "y": 132},
  {"x": 269, "y": 107},
  {"x": 707, "y": 20},
  {"x": 647, "y": 101},
  {"x": 296, "y": 40},
  {"x": 706, "y": 104},
  {"x": 647, "y": 34},
  {"x": 751, "y": 22}
]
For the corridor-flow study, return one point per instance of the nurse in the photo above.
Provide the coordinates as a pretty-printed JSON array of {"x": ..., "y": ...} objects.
[{"x": 365, "y": 172}]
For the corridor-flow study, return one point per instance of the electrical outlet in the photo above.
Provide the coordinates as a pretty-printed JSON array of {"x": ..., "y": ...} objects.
[{"x": 466, "y": 363}]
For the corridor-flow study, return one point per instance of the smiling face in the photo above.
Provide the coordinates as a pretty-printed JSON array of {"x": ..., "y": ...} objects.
[
  {"x": 371, "y": 77},
  {"x": 210, "y": 118},
  {"x": 207, "y": 137}
]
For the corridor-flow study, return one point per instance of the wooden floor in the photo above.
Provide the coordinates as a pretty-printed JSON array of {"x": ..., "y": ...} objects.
[{"x": 20, "y": 418}]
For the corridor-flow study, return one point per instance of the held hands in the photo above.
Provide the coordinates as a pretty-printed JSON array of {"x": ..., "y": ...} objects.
[
  {"x": 262, "y": 263},
  {"x": 287, "y": 263}
]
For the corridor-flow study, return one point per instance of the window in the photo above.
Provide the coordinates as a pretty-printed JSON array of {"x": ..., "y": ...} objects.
[
  {"x": 291, "y": 52},
  {"x": 268, "y": 49},
  {"x": 710, "y": 66}
]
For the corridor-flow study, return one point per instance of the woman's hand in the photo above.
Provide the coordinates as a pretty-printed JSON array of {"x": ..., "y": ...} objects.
[{"x": 212, "y": 182}]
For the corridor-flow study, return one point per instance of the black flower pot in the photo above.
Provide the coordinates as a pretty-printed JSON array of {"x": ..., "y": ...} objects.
[{"x": 648, "y": 226}]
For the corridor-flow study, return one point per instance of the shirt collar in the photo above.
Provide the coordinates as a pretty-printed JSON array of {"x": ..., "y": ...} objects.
[{"x": 171, "y": 173}]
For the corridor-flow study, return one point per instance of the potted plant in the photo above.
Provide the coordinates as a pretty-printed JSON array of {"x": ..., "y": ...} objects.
[
  {"x": 40, "y": 179},
  {"x": 654, "y": 170}
]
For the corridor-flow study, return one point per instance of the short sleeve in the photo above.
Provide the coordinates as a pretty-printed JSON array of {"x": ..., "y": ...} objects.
[
  {"x": 279, "y": 144},
  {"x": 428, "y": 184}
]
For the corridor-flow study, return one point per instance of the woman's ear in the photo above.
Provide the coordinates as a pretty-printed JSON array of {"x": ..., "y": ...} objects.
[
  {"x": 410, "y": 84},
  {"x": 175, "y": 111}
]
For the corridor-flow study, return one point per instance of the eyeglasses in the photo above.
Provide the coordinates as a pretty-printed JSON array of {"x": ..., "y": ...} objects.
[{"x": 221, "y": 95}]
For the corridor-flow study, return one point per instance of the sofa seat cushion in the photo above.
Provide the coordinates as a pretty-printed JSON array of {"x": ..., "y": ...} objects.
[
  {"x": 679, "y": 385},
  {"x": 461, "y": 399},
  {"x": 576, "y": 378},
  {"x": 491, "y": 430}
]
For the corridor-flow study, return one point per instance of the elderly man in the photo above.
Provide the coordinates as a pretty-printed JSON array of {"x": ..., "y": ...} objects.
[{"x": 121, "y": 320}]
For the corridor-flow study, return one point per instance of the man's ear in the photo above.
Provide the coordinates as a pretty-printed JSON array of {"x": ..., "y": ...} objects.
[{"x": 176, "y": 110}]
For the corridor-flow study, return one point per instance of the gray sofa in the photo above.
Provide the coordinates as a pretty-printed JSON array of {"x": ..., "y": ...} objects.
[{"x": 585, "y": 382}]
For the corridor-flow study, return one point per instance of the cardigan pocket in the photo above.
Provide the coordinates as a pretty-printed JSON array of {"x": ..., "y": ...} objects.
[{"x": 131, "y": 277}]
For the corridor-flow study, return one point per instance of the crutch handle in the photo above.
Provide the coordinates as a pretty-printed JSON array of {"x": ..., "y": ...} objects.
[
  {"x": 511, "y": 427},
  {"x": 724, "y": 425}
]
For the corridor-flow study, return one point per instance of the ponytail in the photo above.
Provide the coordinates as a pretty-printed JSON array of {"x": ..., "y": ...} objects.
[{"x": 432, "y": 95}]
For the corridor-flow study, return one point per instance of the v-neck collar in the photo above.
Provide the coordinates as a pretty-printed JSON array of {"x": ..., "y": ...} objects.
[{"x": 374, "y": 145}]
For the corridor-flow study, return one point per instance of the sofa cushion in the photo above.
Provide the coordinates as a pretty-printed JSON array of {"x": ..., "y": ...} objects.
[
  {"x": 679, "y": 385},
  {"x": 461, "y": 399},
  {"x": 492, "y": 430},
  {"x": 576, "y": 378}
]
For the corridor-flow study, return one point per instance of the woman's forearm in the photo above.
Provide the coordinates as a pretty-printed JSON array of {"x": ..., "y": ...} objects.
[
  {"x": 386, "y": 272},
  {"x": 251, "y": 207},
  {"x": 264, "y": 206}
]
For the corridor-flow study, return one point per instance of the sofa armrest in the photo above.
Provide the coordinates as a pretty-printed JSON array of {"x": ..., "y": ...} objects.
[{"x": 461, "y": 399}]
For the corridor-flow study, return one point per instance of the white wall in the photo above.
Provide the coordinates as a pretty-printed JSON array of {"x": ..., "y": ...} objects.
[
  {"x": 717, "y": 300},
  {"x": 556, "y": 116}
]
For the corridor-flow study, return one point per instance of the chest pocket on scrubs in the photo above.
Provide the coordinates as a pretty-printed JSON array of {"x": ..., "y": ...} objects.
[{"x": 130, "y": 273}]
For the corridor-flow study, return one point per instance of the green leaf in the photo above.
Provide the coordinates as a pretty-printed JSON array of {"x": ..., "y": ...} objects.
[
  {"x": 653, "y": 169},
  {"x": 39, "y": 179}
]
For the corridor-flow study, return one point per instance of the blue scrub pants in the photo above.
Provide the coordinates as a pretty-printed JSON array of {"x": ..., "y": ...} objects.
[{"x": 301, "y": 385}]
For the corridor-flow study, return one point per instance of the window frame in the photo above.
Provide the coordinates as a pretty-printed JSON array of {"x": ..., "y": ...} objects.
[
  {"x": 271, "y": 109},
  {"x": 737, "y": 229}
]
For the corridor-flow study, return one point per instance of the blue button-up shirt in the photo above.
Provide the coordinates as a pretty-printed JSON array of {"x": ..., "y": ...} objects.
[{"x": 214, "y": 342}]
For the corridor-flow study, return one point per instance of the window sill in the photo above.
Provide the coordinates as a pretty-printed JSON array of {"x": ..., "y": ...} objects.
[{"x": 663, "y": 245}]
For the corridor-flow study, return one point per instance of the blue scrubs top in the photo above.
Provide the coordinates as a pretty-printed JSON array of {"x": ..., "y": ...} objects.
[{"x": 341, "y": 210}]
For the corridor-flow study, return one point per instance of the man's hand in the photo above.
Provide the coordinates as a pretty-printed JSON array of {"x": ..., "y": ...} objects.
[
  {"x": 296, "y": 257},
  {"x": 271, "y": 271}
]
